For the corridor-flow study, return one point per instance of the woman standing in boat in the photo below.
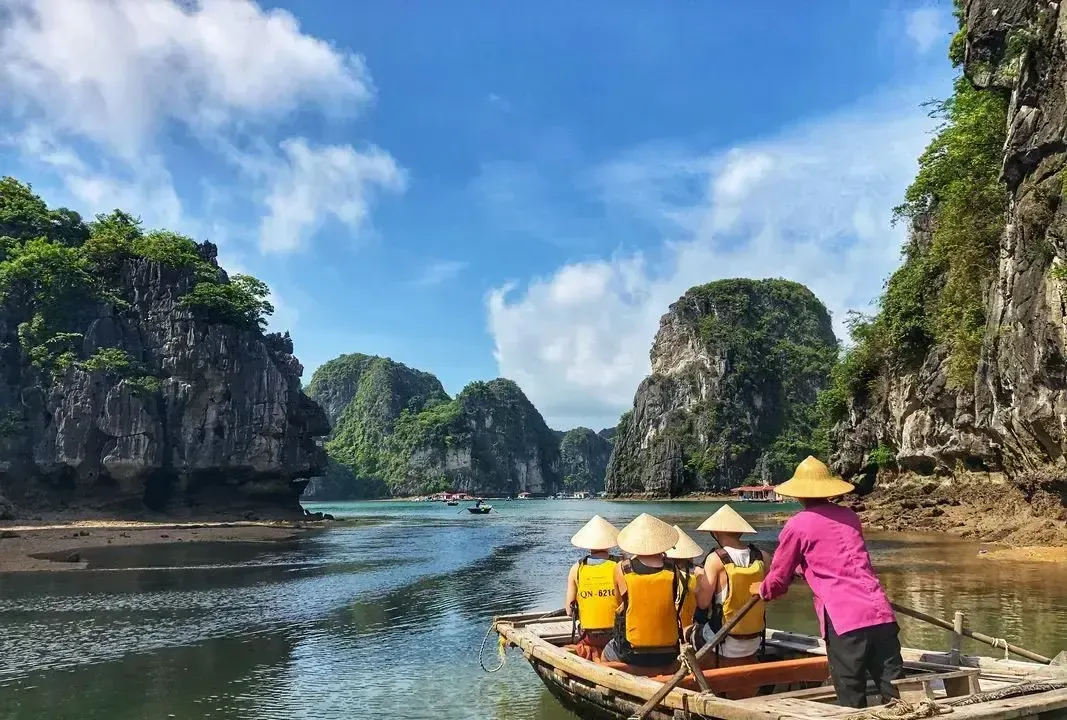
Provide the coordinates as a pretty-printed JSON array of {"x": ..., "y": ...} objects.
[
  {"x": 825, "y": 541},
  {"x": 591, "y": 597}
]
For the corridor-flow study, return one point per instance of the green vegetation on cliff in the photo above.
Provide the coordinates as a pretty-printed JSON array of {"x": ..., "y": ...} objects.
[
  {"x": 583, "y": 459},
  {"x": 490, "y": 439},
  {"x": 366, "y": 397},
  {"x": 779, "y": 345},
  {"x": 396, "y": 431},
  {"x": 54, "y": 266},
  {"x": 957, "y": 209},
  {"x": 742, "y": 407}
]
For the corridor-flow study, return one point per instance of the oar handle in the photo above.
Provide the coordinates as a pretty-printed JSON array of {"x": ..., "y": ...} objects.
[
  {"x": 715, "y": 641},
  {"x": 974, "y": 634}
]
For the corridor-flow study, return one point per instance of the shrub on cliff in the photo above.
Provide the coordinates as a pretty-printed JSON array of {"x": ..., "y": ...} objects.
[
  {"x": 957, "y": 208},
  {"x": 52, "y": 265}
]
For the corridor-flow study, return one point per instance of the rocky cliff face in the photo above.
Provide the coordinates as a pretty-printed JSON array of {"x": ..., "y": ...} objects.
[
  {"x": 1003, "y": 423},
  {"x": 489, "y": 440},
  {"x": 118, "y": 393},
  {"x": 397, "y": 432},
  {"x": 583, "y": 459},
  {"x": 363, "y": 396},
  {"x": 736, "y": 367}
]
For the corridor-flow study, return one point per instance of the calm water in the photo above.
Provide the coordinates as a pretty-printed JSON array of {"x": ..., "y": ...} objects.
[{"x": 384, "y": 618}]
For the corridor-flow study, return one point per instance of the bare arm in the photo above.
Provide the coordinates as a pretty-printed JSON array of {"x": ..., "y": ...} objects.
[
  {"x": 709, "y": 583},
  {"x": 620, "y": 583},
  {"x": 572, "y": 590}
]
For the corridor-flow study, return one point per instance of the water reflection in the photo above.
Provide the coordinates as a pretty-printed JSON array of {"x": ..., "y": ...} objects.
[{"x": 385, "y": 619}]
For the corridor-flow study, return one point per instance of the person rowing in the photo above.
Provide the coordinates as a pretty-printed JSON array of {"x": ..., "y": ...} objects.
[
  {"x": 591, "y": 595},
  {"x": 825, "y": 541}
]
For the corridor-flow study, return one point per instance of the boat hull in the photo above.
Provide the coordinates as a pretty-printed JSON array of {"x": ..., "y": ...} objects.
[{"x": 790, "y": 681}]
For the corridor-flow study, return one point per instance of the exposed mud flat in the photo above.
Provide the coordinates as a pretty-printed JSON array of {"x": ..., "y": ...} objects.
[{"x": 987, "y": 507}]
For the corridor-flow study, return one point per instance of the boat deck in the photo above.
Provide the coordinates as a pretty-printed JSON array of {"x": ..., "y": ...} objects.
[{"x": 793, "y": 680}]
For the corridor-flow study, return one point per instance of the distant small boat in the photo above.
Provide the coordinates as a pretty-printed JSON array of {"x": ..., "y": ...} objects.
[
  {"x": 480, "y": 509},
  {"x": 452, "y": 502}
]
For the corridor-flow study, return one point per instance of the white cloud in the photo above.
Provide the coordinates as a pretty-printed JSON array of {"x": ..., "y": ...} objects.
[
  {"x": 315, "y": 183},
  {"x": 926, "y": 27},
  {"x": 812, "y": 205},
  {"x": 439, "y": 272},
  {"x": 145, "y": 189},
  {"x": 115, "y": 71},
  {"x": 95, "y": 83}
]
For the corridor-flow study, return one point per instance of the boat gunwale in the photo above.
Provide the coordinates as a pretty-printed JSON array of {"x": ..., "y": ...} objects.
[{"x": 516, "y": 630}]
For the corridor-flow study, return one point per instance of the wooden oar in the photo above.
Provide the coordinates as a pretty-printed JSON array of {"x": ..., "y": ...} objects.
[
  {"x": 980, "y": 637},
  {"x": 715, "y": 641}
]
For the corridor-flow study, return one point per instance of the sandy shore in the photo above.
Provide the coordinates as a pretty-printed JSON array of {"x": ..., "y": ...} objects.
[{"x": 59, "y": 546}]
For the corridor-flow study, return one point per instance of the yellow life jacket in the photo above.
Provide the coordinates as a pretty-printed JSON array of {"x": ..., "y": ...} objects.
[
  {"x": 596, "y": 595},
  {"x": 651, "y": 617},
  {"x": 737, "y": 594},
  {"x": 686, "y": 595}
]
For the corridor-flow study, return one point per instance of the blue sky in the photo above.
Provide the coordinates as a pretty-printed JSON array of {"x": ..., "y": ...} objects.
[{"x": 487, "y": 188}]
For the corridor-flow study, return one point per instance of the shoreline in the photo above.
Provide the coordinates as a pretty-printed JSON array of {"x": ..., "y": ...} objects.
[{"x": 59, "y": 545}]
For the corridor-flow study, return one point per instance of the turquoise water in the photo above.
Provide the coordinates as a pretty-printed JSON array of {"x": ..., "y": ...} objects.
[{"x": 383, "y": 618}]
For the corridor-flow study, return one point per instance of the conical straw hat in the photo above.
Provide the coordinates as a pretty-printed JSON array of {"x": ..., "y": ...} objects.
[
  {"x": 686, "y": 548},
  {"x": 597, "y": 534},
  {"x": 647, "y": 535},
  {"x": 813, "y": 479},
  {"x": 726, "y": 520}
]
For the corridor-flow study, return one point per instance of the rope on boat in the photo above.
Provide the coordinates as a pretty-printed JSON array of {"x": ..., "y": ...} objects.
[
  {"x": 1026, "y": 688},
  {"x": 1002, "y": 643},
  {"x": 500, "y": 651},
  {"x": 501, "y": 645},
  {"x": 901, "y": 710}
]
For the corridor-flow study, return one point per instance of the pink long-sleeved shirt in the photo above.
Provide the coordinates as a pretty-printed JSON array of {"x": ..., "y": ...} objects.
[{"x": 825, "y": 542}]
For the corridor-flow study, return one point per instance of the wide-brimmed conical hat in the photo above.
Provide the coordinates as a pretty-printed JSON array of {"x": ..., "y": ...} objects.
[
  {"x": 686, "y": 548},
  {"x": 597, "y": 534},
  {"x": 647, "y": 535},
  {"x": 812, "y": 480},
  {"x": 726, "y": 520}
]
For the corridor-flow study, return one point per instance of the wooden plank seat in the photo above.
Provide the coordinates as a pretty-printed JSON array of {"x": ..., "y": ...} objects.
[{"x": 740, "y": 677}]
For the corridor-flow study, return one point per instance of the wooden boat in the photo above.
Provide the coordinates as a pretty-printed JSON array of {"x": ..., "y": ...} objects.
[
  {"x": 480, "y": 509},
  {"x": 791, "y": 681}
]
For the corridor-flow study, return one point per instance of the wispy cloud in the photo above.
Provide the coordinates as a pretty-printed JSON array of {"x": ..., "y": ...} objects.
[
  {"x": 927, "y": 27},
  {"x": 439, "y": 272},
  {"x": 811, "y": 204},
  {"x": 314, "y": 184}
]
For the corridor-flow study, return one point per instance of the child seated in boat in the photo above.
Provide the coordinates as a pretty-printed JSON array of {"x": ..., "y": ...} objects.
[
  {"x": 730, "y": 571},
  {"x": 682, "y": 557},
  {"x": 647, "y": 623},
  {"x": 591, "y": 597}
]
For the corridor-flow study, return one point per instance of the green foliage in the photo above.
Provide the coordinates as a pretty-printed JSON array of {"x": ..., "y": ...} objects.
[
  {"x": 776, "y": 340},
  {"x": 114, "y": 361},
  {"x": 884, "y": 456},
  {"x": 958, "y": 185},
  {"x": 583, "y": 460},
  {"x": 11, "y": 424},
  {"x": 936, "y": 295},
  {"x": 54, "y": 268},
  {"x": 241, "y": 302},
  {"x": 372, "y": 392}
]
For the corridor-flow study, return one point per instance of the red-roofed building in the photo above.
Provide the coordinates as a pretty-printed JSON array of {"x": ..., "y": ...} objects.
[{"x": 756, "y": 493}]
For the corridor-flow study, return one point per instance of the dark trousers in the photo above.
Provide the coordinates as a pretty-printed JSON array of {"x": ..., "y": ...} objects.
[{"x": 871, "y": 651}]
